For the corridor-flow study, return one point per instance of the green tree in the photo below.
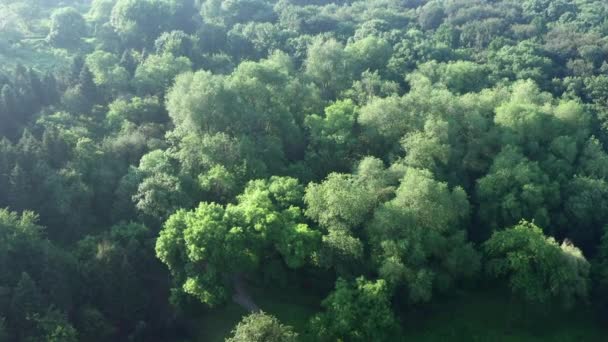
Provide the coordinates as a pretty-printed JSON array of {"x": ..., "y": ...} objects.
[
  {"x": 329, "y": 66},
  {"x": 537, "y": 268},
  {"x": 385, "y": 121},
  {"x": 584, "y": 203},
  {"x": 515, "y": 188},
  {"x": 526, "y": 60},
  {"x": 332, "y": 145},
  {"x": 115, "y": 268},
  {"x": 100, "y": 11},
  {"x": 67, "y": 28},
  {"x": 55, "y": 327},
  {"x": 370, "y": 53},
  {"x": 262, "y": 327},
  {"x": 418, "y": 238},
  {"x": 140, "y": 22},
  {"x": 159, "y": 195},
  {"x": 199, "y": 102},
  {"x": 356, "y": 311},
  {"x": 431, "y": 15},
  {"x": 207, "y": 248},
  {"x": 341, "y": 205},
  {"x": 136, "y": 110},
  {"x": 157, "y": 73},
  {"x": 107, "y": 72},
  {"x": 177, "y": 43}
]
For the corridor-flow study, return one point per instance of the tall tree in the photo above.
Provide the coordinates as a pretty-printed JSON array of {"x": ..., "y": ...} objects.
[{"x": 537, "y": 268}]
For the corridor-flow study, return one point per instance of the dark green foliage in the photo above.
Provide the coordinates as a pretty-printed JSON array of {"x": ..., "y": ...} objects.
[
  {"x": 35, "y": 281},
  {"x": 356, "y": 311}
]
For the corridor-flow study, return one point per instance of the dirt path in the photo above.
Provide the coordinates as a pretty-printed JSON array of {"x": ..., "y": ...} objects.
[{"x": 241, "y": 295}]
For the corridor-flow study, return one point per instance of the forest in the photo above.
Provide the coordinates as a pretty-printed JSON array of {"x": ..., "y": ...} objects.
[{"x": 303, "y": 170}]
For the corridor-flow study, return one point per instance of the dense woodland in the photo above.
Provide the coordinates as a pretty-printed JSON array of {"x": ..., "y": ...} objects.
[{"x": 168, "y": 166}]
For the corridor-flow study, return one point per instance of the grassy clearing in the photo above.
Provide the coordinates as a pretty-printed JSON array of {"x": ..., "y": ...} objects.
[
  {"x": 34, "y": 52},
  {"x": 491, "y": 317},
  {"x": 292, "y": 307},
  {"x": 470, "y": 318}
]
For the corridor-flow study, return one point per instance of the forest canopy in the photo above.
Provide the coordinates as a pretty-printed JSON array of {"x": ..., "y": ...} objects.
[{"x": 290, "y": 170}]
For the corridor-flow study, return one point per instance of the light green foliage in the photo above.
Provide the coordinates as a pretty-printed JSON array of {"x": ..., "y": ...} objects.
[
  {"x": 537, "y": 268},
  {"x": 107, "y": 72},
  {"x": 219, "y": 182},
  {"x": 199, "y": 102},
  {"x": 199, "y": 154},
  {"x": 257, "y": 39},
  {"x": 205, "y": 247},
  {"x": 264, "y": 94},
  {"x": 56, "y": 328},
  {"x": 548, "y": 10},
  {"x": 329, "y": 66},
  {"x": 412, "y": 49},
  {"x": 236, "y": 11},
  {"x": 262, "y": 327},
  {"x": 67, "y": 28},
  {"x": 428, "y": 149},
  {"x": 140, "y": 22},
  {"x": 526, "y": 60},
  {"x": 333, "y": 137},
  {"x": 462, "y": 77},
  {"x": 257, "y": 106},
  {"x": 543, "y": 140},
  {"x": 176, "y": 43},
  {"x": 159, "y": 195},
  {"x": 515, "y": 188},
  {"x": 100, "y": 11},
  {"x": 459, "y": 77},
  {"x": 136, "y": 110},
  {"x": 160, "y": 191},
  {"x": 357, "y": 311},
  {"x": 530, "y": 119},
  {"x": 593, "y": 160},
  {"x": 386, "y": 118},
  {"x": 157, "y": 73},
  {"x": 255, "y": 98},
  {"x": 341, "y": 204},
  {"x": 431, "y": 15},
  {"x": 371, "y": 85},
  {"x": 370, "y": 53},
  {"x": 418, "y": 238}
]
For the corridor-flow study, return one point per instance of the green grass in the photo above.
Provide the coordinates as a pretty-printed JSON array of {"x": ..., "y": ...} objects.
[
  {"x": 35, "y": 53},
  {"x": 490, "y": 317},
  {"x": 292, "y": 307},
  {"x": 217, "y": 324},
  {"x": 486, "y": 316}
]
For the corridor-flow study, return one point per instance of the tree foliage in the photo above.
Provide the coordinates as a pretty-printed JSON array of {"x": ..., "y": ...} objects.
[
  {"x": 379, "y": 148},
  {"x": 537, "y": 267},
  {"x": 262, "y": 327}
]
